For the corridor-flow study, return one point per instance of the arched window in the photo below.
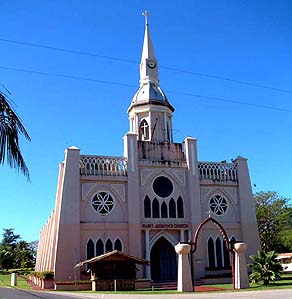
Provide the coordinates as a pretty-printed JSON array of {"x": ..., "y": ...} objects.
[
  {"x": 155, "y": 208},
  {"x": 99, "y": 247},
  {"x": 180, "y": 208},
  {"x": 232, "y": 240},
  {"x": 211, "y": 253},
  {"x": 144, "y": 130},
  {"x": 226, "y": 256},
  {"x": 172, "y": 209},
  {"x": 164, "y": 210},
  {"x": 90, "y": 249},
  {"x": 219, "y": 253},
  {"x": 118, "y": 245},
  {"x": 108, "y": 245},
  {"x": 147, "y": 207},
  {"x": 169, "y": 131}
]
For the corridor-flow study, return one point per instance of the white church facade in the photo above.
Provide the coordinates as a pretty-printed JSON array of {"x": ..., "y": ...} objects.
[{"x": 148, "y": 200}]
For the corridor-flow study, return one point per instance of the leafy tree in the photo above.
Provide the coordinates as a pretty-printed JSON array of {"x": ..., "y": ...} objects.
[
  {"x": 16, "y": 253},
  {"x": 24, "y": 257},
  {"x": 285, "y": 241},
  {"x": 274, "y": 216},
  {"x": 10, "y": 128},
  {"x": 10, "y": 239},
  {"x": 7, "y": 248},
  {"x": 265, "y": 267},
  {"x": 6, "y": 257}
]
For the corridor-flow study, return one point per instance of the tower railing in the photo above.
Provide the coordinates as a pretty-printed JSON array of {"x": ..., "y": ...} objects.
[
  {"x": 103, "y": 165},
  {"x": 218, "y": 171}
]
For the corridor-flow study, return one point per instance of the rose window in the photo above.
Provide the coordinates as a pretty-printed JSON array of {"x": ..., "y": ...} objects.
[
  {"x": 218, "y": 205},
  {"x": 162, "y": 186},
  {"x": 103, "y": 203}
]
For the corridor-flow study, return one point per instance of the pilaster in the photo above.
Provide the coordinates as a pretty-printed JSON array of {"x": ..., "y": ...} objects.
[
  {"x": 147, "y": 253},
  {"x": 193, "y": 185},
  {"x": 68, "y": 228},
  {"x": 193, "y": 180},
  {"x": 131, "y": 153},
  {"x": 249, "y": 227}
]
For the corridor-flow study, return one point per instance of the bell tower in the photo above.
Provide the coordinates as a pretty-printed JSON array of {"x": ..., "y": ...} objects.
[{"x": 150, "y": 113}]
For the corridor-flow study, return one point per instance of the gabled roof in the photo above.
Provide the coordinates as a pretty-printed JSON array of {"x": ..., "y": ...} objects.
[{"x": 113, "y": 256}]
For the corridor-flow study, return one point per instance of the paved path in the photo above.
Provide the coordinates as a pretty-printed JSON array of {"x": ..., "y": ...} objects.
[
  {"x": 269, "y": 294},
  {"x": 11, "y": 293}
]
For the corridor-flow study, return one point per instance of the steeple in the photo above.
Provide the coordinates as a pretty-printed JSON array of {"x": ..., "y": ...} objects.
[
  {"x": 150, "y": 113},
  {"x": 148, "y": 65}
]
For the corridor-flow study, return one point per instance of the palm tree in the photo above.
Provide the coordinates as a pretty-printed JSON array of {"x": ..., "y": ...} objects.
[
  {"x": 265, "y": 267},
  {"x": 10, "y": 128}
]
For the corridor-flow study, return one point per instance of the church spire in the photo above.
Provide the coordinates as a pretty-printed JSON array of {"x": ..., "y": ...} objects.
[
  {"x": 148, "y": 65},
  {"x": 150, "y": 113}
]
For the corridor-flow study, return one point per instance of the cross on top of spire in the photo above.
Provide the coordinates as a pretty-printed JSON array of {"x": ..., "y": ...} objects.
[{"x": 146, "y": 14}]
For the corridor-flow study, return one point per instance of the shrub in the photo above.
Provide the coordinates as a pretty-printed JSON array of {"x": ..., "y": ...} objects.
[
  {"x": 265, "y": 267},
  {"x": 43, "y": 275},
  {"x": 21, "y": 271}
]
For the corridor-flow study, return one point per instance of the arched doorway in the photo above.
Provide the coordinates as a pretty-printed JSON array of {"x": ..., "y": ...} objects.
[{"x": 163, "y": 261}]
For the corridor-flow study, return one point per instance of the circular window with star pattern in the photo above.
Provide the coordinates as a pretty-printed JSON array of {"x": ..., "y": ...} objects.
[
  {"x": 218, "y": 205},
  {"x": 103, "y": 203}
]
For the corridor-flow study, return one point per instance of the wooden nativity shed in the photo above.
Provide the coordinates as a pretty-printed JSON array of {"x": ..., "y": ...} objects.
[{"x": 114, "y": 270}]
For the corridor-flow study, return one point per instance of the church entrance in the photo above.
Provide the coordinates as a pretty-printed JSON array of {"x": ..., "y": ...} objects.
[{"x": 163, "y": 261}]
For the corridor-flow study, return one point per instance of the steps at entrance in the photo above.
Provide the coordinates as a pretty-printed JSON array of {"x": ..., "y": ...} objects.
[
  {"x": 172, "y": 285},
  {"x": 166, "y": 285}
]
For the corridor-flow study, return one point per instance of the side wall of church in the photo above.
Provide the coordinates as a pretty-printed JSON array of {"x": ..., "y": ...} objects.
[{"x": 67, "y": 251}]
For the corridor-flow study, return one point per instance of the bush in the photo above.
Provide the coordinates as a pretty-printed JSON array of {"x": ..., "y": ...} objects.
[
  {"x": 265, "y": 267},
  {"x": 48, "y": 275},
  {"x": 21, "y": 271},
  {"x": 43, "y": 275},
  {"x": 4, "y": 272}
]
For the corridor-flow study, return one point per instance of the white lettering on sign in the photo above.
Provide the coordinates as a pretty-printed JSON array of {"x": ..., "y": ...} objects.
[{"x": 165, "y": 225}]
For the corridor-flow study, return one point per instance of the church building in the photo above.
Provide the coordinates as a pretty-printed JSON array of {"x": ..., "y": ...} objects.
[{"x": 148, "y": 200}]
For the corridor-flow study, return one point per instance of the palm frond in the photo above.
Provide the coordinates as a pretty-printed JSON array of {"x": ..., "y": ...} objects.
[{"x": 10, "y": 128}]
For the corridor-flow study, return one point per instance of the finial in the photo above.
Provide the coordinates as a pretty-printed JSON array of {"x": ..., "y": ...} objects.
[
  {"x": 146, "y": 14},
  {"x": 209, "y": 214}
]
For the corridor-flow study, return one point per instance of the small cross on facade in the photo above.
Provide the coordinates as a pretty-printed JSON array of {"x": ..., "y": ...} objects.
[
  {"x": 146, "y": 14},
  {"x": 209, "y": 214}
]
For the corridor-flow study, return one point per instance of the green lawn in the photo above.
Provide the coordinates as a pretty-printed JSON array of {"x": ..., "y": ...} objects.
[
  {"x": 21, "y": 282},
  {"x": 284, "y": 283}
]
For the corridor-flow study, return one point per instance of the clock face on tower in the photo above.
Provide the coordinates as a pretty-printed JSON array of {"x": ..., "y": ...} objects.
[{"x": 151, "y": 64}]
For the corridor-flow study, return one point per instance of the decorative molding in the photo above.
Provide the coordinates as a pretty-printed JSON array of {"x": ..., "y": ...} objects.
[
  {"x": 232, "y": 194},
  {"x": 169, "y": 237},
  {"x": 145, "y": 175},
  {"x": 87, "y": 188},
  {"x": 180, "y": 175},
  {"x": 204, "y": 193},
  {"x": 120, "y": 189}
]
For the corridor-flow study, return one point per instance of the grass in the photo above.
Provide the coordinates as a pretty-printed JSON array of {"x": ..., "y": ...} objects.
[
  {"x": 284, "y": 283},
  {"x": 141, "y": 292},
  {"x": 21, "y": 282}
]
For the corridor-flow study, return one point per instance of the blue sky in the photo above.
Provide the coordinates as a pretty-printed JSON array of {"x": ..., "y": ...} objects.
[{"x": 243, "y": 40}]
